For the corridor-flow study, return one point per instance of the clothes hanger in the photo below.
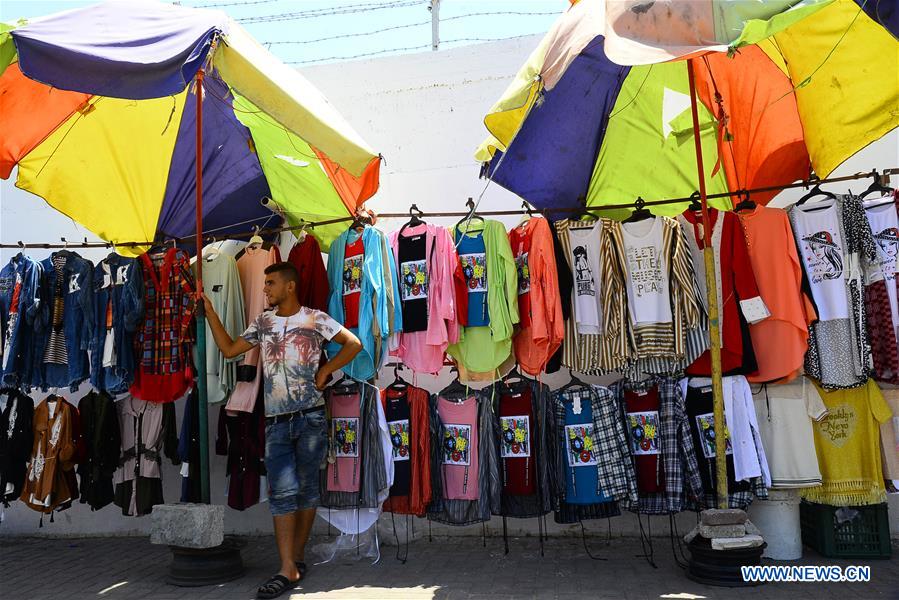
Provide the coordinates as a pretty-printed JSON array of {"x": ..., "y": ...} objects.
[
  {"x": 876, "y": 186},
  {"x": 344, "y": 385},
  {"x": 746, "y": 203},
  {"x": 399, "y": 383},
  {"x": 695, "y": 203},
  {"x": 415, "y": 215},
  {"x": 256, "y": 241},
  {"x": 455, "y": 385},
  {"x": 815, "y": 191},
  {"x": 641, "y": 213},
  {"x": 528, "y": 213},
  {"x": 574, "y": 382},
  {"x": 471, "y": 216},
  {"x": 211, "y": 251}
]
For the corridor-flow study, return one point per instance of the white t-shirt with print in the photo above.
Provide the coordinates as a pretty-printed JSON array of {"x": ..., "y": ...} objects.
[
  {"x": 885, "y": 226},
  {"x": 648, "y": 286},
  {"x": 585, "y": 268},
  {"x": 290, "y": 351},
  {"x": 822, "y": 246}
]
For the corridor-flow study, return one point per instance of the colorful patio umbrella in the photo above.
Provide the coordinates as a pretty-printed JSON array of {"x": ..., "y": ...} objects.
[
  {"x": 99, "y": 114},
  {"x": 783, "y": 85}
]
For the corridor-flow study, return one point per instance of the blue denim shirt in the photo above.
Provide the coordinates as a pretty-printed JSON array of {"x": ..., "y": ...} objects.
[
  {"x": 19, "y": 307},
  {"x": 78, "y": 322},
  {"x": 119, "y": 280}
]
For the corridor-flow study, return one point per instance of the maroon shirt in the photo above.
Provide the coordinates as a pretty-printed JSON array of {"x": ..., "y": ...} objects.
[
  {"x": 643, "y": 426},
  {"x": 516, "y": 442}
]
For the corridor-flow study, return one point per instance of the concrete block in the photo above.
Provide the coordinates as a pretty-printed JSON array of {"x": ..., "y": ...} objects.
[
  {"x": 722, "y": 531},
  {"x": 751, "y": 529},
  {"x": 747, "y": 541},
  {"x": 692, "y": 534},
  {"x": 188, "y": 525},
  {"x": 722, "y": 516}
]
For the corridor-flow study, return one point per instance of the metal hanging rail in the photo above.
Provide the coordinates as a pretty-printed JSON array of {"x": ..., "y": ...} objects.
[{"x": 487, "y": 213}]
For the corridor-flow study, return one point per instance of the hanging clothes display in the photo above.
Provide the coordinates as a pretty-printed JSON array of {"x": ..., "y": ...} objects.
[
  {"x": 363, "y": 296},
  {"x": 221, "y": 284},
  {"x": 521, "y": 408},
  {"x": 465, "y": 479},
  {"x": 103, "y": 442},
  {"x": 118, "y": 314},
  {"x": 408, "y": 423},
  {"x": 836, "y": 246},
  {"x": 63, "y": 337},
  {"x": 664, "y": 457},
  {"x": 148, "y": 430},
  {"x": 747, "y": 465},
  {"x": 589, "y": 353},
  {"x": 491, "y": 290},
  {"x": 881, "y": 304},
  {"x": 785, "y": 416},
  {"x": 47, "y": 486},
  {"x": 312, "y": 288},
  {"x": 241, "y": 437},
  {"x": 889, "y": 436},
  {"x": 427, "y": 265},
  {"x": 592, "y": 469},
  {"x": 780, "y": 341},
  {"x": 847, "y": 441},
  {"x": 189, "y": 449},
  {"x": 541, "y": 322},
  {"x": 251, "y": 267},
  {"x": 355, "y": 474},
  {"x": 16, "y": 441},
  {"x": 20, "y": 304},
  {"x": 166, "y": 337},
  {"x": 566, "y": 284},
  {"x": 739, "y": 302}
]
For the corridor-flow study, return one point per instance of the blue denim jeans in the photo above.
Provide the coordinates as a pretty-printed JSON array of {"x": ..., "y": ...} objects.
[{"x": 294, "y": 453}]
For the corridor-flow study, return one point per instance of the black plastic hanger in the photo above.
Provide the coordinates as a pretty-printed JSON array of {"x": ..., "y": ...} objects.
[
  {"x": 641, "y": 213},
  {"x": 344, "y": 385},
  {"x": 815, "y": 191},
  {"x": 455, "y": 385},
  {"x": 574, "y": 382},
  {"x": 876, "y": 186},
  {"x": 695, "y": 203},
  {"x": 415, "y": 218},
  {"x": 399, "y": 383},
  {"x": 746, "y": 203},
  {"x": 471, "y": 216}
]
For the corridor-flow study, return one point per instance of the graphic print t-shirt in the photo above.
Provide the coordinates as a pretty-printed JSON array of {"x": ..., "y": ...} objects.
[
  {"x": 398, "y": 427},
  {"x": 643, "y": 427},
  {"x": 821, "y": 247},
  {"x": 885, "y": 226},
  {"x": 352, "y": 282},
  {"x": 516, "y": 444},
  {"x": 345, "y": 468},
  {"x": 701, "y": 415},
  {"x": 584, "y": 244},
  {"x": 648, "y": 291},
  {"x": 581, "y": 453},
  {"x": 290, "y": 349},
  {"x": 459, "y": 448},
  {"x": 473, "y": 258},
  {"x": 413, "y": 273},
  {"x": 520, "y": 241}
]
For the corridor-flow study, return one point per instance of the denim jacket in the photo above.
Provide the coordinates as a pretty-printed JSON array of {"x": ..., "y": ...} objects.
[
  {"x": 19, "y": 306},
  {"x": 117, "y": 280},
  {"x": 78, "y": 322}
]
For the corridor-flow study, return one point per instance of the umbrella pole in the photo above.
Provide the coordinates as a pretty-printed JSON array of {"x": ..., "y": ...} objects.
[
  {"x": 712, "y": 294},
  {"x": 201, "y": 313}
]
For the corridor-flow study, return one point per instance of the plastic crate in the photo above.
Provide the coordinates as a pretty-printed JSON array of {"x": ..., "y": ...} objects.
[{"x": 867, "y": 535}]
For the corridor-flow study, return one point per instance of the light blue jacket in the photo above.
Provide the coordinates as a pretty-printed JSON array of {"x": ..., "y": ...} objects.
[{"x": 373, "y": 302}]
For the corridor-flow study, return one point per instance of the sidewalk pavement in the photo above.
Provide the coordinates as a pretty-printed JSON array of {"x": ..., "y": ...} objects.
[{"x": 444, "y": 569}]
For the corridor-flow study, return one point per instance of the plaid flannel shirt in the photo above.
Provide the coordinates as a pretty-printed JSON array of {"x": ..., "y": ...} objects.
[
  {"x": 615, "y": 469},
  {"x": 678, "y": 456},
  {"x": 167, "y": 334}
]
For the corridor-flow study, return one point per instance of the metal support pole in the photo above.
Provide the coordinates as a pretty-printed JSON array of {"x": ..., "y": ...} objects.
[
  {"x": 711, "y": 288},
  {"x": 435, "y": 24},
  {"x": 201, "y": 313}
]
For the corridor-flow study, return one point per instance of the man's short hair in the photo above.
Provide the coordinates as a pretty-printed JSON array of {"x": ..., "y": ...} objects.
[{"x": 287, "y": 271}]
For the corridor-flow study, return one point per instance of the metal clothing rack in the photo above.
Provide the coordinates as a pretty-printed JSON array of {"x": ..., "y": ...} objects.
[{"x": 526, "y": 209}]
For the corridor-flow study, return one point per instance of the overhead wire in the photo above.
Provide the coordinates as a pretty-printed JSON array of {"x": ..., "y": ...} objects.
[{"x": 329, "y": 11}]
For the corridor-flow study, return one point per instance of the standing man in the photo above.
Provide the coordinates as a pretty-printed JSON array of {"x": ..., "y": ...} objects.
[{"x": 291, "y": 338}]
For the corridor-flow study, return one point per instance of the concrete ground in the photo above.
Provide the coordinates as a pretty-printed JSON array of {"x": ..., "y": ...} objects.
[{"x": 444, "y": 569}]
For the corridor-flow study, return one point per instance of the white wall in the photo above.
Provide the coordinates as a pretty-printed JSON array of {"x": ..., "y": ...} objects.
[{"x": 423, "y": 112}]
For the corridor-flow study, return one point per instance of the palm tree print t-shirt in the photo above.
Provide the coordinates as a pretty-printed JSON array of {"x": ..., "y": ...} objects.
[{"x": 290, "y": 350}]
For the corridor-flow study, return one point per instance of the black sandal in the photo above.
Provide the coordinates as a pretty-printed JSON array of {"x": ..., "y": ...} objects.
[
  {"x": 302, "y": 568},
  {"x": 275, "y": 586}
]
